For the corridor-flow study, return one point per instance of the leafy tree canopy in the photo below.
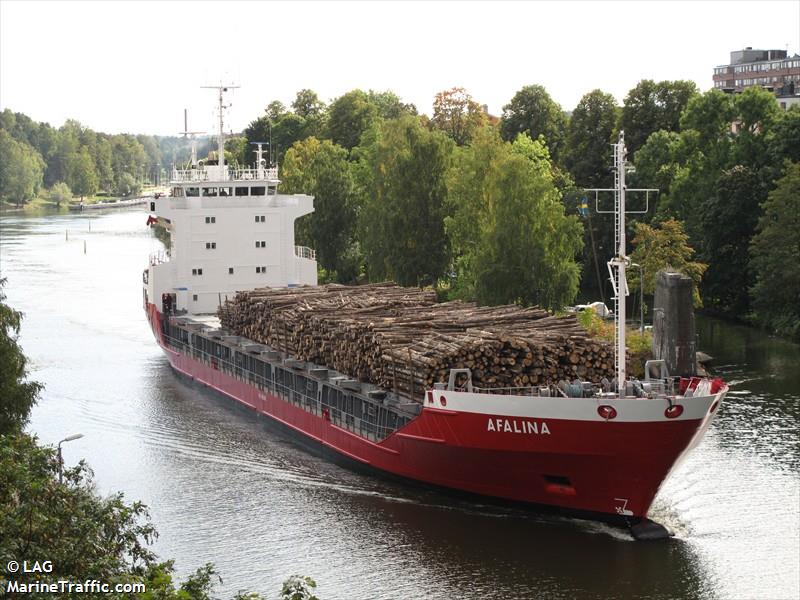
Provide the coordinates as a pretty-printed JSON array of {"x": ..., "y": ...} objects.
[
  {"x": 652, "y": 106},
  {"x": 349, "y": 116},
  {"x": 774, "y": 251},
  {"x": 321, "y": 169},
  {"x": 592, "y": 128},
  {"x": 664, "y": 247},
  {"x": 532, "y": 111},
  {"x": 401, "y": 177},
  {"x": 21, "y": 170},
  {"x": 457, "y": 114},
  {"x": 513, "y": 242}
]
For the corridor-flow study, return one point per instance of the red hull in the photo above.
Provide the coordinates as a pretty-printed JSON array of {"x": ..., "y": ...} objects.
[{"x": 613, "y": 468}]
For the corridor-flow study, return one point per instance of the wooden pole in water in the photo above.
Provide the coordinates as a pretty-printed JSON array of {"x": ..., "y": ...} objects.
[
  {"x": 66, "y": 235},
  {"x": 84, "y": 246}
]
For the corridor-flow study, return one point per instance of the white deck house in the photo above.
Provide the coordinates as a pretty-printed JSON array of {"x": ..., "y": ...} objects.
[{"x": 230, "y": 230}]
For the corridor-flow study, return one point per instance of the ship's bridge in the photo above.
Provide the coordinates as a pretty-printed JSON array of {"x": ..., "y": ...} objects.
[{"x": 229, "y": 230}]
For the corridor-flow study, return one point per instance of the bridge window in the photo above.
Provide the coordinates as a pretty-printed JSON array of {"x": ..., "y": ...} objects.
[
  {"x": 242, "y": 191},
  {"x": 225, "y": 191},
  {"x": 258, "y": 191},
  {"x": 209, "y": 191},
  {"x": 192, "y": 191}
]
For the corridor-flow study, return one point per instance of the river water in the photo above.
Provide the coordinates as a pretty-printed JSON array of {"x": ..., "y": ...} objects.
[{"x": 225, "y": 488}]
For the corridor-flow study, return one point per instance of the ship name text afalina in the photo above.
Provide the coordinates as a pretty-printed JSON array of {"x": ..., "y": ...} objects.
[{"x": 517, "y": 426}]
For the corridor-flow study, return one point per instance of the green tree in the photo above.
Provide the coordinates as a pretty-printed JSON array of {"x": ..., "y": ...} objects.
[
  {"x": 21, "y": 170},
  {"x": 664, "y": 247},
  {"x": 321, "y": 169},
  {"x": 240, "y": 151},
  {"x": 127, "y": 185},
  {"x": 773, "y": 257},
  {"x": 389, "y": 105},
  {"x": 592, "y": 128},
  {"x": 59, "y": 193},
  {"x": 756, "y": 111},
  {"x": 652, "y": 106},
  {"x": 307, "y": 104},
  {"x": 17, "y": 395},
  {"x": 83, "y": 177},
  {"x": 401, "y": 176},
  {"x": 509, "y": 233},
  {"x": 457, "y": 114},
  {"x": 782, "y": 137},
  {"x": 532, "y": 111},
  {"x": 728, "y": 221},
  {"x": 349, "y": 116},
  {"x": 275, "y": 110}
]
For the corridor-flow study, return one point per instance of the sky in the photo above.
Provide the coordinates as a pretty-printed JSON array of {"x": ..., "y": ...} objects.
[{"x": 135, "y": 66}]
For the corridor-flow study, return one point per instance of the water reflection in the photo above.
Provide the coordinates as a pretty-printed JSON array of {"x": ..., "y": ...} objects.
[{"x": 225, "y": 487}]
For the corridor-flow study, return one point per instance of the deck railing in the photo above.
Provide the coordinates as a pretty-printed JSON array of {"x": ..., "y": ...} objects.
[
  {"x": 160, "y": 257},
  {"x": 372, "y": 431},
  {"x": 229, "y": 174},
  {"x": 305, "y": 252}
]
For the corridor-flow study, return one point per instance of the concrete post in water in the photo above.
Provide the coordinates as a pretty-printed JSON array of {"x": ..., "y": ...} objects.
[{"x": 673, "y": 323}]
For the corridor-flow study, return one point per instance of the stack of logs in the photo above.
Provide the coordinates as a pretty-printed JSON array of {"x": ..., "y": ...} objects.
[{"x": 401, "y": 339}]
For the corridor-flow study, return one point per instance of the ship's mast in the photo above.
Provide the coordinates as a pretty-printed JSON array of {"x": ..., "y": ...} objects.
[
  {"x": 620, "y": 260},
  {"x": 619, "y": 263},
  {"x": 221, "y": 139}
]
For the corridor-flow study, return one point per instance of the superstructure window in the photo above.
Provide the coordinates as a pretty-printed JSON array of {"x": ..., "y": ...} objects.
[
  {"x": 211, "y": 245},
  {"x": 261, "y": 218},
  {"x": 242, "y": 191},
  {"x": 225, "y": 191},
  {"x": 211, "y": 219},
  {"x": 230, "y": 270},
  {"x": 261, "y": 269},
  {"x": 194, "y": 297},
  {"x": 258, "y": 191},
  {"x": 197, "y": 271},
  {"x": 192, "y": 191},
  {"x": 261, "y": 244},
  {"x": 209, "y": 191}
]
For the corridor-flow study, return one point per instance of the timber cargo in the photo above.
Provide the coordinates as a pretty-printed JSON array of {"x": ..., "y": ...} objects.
[{"x": 401, "y": 339}]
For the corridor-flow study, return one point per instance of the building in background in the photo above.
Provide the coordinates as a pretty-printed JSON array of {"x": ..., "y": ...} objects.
[{"x": 773, "y": 70}]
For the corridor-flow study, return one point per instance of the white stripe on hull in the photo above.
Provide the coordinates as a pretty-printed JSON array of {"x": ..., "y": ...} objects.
[{"x": 635, "y": 410}]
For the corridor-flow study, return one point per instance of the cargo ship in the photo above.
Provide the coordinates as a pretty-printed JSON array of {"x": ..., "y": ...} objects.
[{"x": 591, "y": 451}]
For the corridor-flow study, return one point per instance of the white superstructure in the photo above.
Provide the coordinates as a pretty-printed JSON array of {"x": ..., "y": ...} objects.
[{"x": 229, "y": 231}]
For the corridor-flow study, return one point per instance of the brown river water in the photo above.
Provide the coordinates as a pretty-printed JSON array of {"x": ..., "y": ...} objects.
[{"x": 223, "y": 487}]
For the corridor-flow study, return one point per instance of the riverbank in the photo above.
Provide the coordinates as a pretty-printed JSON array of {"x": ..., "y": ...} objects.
[{"x": 43, "y": 203}]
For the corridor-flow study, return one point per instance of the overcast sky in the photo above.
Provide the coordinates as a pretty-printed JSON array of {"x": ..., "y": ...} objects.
[{"x": 134, "y": 66}]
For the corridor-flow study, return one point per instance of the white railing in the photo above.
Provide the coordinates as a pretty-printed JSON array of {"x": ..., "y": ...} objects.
[
  {"x": 160, "y": 257},
  {"x": 305, "y": 252},
  {"x": 188, "y": 175}
]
